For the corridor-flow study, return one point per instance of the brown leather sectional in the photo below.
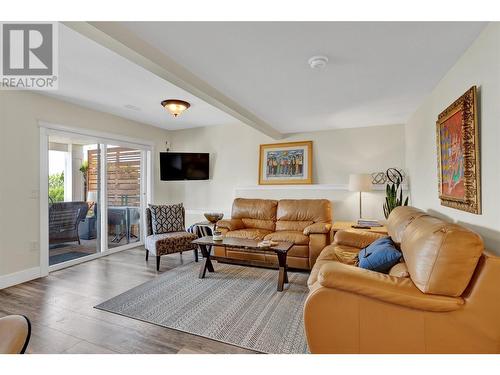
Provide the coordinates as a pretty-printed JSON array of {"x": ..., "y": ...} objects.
[
  {"x": 15, "y": 333},
  {"x": 305, "y": 222},
  {"x": 445, "y": 298}
]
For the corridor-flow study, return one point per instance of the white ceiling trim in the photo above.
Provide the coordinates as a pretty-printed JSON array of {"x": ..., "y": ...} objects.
[{"x": 123, "y": 42}]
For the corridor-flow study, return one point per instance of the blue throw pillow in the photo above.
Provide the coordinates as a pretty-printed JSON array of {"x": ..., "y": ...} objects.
[{"x": 379, "y": 256}]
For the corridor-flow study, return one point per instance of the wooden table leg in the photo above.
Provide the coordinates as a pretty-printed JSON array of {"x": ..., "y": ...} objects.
[
  {"x": 206, "y": 263},
  {"x": 283, "y": 271}
]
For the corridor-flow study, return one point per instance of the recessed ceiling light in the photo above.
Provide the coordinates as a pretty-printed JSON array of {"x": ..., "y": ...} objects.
[
  {"x": 318, "y": 62},
  {"x": 132, "y": 107}
]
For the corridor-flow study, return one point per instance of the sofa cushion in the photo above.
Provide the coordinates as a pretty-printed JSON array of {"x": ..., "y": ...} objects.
[
  {"x": 399, "y": 219},
  {"x": 293, "y": 225},
  {"x": 249, "y": 233},
  {"x": 379, "y": 256},
  {"x": 441, "y": 257},
  {"x": 297, "y": 238},
  {"x": 315, "y": 210},
  {"x": 262, "y": 209},
  {"x": 169, "y": 243},
  {"x": 167, "y": 218},
  {"x": 259, "y": 223}
]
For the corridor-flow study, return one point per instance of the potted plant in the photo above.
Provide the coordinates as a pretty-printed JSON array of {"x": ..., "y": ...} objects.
[{"x": 394, "y": 191}]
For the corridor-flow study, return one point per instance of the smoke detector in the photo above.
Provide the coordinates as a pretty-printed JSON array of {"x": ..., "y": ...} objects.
[{"x": 318, "y": 62}]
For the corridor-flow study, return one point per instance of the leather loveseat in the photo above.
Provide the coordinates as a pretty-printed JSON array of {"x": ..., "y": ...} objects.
[
  {"x": 445, "y": 298},
  {"x": 305, "y": 222}
]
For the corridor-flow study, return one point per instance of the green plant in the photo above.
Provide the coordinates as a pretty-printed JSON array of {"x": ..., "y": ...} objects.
[
  {"x": 84, "y": 167},
  {"x": 394, "y": 196},
  {"x": 56, "y": 187}
]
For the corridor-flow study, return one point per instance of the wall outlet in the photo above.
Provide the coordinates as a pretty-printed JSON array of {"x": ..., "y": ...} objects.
[
  {"x": 35, "y": 194},
  {"x": 34, "y": 246}
]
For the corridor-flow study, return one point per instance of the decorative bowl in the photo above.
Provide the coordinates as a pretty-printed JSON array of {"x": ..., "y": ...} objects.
[{"x": 214, "y": 217}]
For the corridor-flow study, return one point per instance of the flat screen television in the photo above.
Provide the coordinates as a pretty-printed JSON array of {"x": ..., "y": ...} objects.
[{"x": 175, "y": 166}]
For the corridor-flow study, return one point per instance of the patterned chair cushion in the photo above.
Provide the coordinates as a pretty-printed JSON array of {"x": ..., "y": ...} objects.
[
  {"x": 167, "y": 218},
  {"x": 169, "y": 243}
]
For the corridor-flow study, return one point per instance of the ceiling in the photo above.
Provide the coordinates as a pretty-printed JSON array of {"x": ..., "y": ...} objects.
[
  {"x": 378, "y": 72},
  {"x": 95, "y": 77}
]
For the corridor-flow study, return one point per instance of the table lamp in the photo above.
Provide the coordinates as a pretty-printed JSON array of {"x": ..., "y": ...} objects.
[{"x": 360, "y": 183}]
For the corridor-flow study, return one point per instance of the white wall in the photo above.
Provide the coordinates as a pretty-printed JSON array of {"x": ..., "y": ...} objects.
[
  {"x": 234, "y": 155},
  {"x": 19, "y": 163},
  {"x": 480, "y": 66}
]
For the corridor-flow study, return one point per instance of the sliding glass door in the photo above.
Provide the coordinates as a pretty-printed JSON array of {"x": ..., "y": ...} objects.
[
  {"x": 124, "y": 194},
  {"x": 74, "y": 222},
  {"x": 97, "y": 194}
]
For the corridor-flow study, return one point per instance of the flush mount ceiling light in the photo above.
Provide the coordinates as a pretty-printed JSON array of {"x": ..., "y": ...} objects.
[
  {"x": 318, "y": 62},
  {"x": 175, "y": 106}
]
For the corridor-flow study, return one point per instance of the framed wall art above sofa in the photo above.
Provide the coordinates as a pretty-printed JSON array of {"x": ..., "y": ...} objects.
[
  {"x": 458, "y": 154},
  {"x": 285, "y": 163}
]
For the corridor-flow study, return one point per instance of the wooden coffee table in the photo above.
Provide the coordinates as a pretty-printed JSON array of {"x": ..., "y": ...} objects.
[{"x": 281, "y": 250}]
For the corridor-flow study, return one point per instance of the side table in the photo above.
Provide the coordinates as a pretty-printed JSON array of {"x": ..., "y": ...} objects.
[
  {"x": 344, "y": 225},
  {"x": 202, "y": 229}
]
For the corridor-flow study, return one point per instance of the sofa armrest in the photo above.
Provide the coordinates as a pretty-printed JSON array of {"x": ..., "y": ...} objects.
[
  {"x": 354, "y": 238},
  {"x": 317, "y": 228},
  {"x": 382, "y": 287},
  {"x": 230, "y": 224}
]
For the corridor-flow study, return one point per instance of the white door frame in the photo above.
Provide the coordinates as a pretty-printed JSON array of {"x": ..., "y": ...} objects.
[{"x": 47, "y": 129}]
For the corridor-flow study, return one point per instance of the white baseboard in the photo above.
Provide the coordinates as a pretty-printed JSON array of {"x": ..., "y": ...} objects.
[{"x": 19, "y": 277}]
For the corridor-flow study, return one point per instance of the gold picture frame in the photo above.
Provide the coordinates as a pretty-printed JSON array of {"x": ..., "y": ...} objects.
[
  {"x": 287, "y": 163},
  {"x": 458, "y": 155}
]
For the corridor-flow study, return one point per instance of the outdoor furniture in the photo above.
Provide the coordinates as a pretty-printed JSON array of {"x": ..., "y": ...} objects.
[
  {"x": 64, "y": 218},
  {"x": 168, "y": 243},
  {"x": 87, "y": 229},
  {"x": 123, "y": 217},
  {"x": 252, "y": 246},
  {"x": 15, "y": 333}
]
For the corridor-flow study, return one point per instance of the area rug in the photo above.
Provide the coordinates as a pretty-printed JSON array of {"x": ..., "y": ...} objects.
[{"x": 235, "y": 304}]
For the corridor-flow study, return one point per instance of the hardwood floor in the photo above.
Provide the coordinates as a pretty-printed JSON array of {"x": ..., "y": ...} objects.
[{"x": 60, "y": 308}]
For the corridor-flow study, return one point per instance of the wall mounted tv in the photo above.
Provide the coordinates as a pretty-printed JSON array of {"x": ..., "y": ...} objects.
[{"x": 175, "y": 166}]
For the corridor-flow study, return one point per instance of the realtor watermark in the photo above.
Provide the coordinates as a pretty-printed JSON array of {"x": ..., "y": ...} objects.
[{"x": 29, "y": 56}]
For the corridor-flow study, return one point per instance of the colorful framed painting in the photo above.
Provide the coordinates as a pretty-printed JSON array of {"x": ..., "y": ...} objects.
[
  {"x": 458, "y": 154},
  {"x": 285, "y": 163}
]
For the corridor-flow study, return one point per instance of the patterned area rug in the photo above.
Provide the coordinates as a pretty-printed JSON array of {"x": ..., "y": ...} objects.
[{"x": 236, "y": 305}]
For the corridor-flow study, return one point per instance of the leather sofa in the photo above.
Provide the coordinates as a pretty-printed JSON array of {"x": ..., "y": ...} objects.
[
  {"x": 15, "y": 333},
  {"x": 444, "y": 298},
  {"x": 305, "y": 222}
]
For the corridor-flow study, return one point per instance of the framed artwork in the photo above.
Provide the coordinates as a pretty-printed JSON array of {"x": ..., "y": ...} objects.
[
  {"x": 285, "y": 163},
  {"x": 458, "y": 154}
]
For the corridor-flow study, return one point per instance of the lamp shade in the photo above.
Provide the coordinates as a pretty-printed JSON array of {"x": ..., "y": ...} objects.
[
  {"x": 92, "y": 196},
  {"x": 360, "y": 182}
]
